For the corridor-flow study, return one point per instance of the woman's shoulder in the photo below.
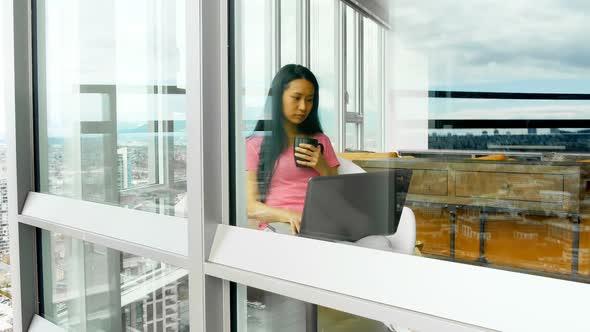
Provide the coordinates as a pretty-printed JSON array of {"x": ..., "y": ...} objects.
[{"x": 254, "y": 141}]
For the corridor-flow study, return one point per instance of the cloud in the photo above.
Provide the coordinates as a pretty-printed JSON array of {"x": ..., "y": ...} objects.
[{"x": 487, "y": 40}]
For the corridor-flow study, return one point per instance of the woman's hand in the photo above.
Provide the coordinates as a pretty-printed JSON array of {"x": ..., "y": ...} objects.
[
  {"x": 313, "y": 158},
  {"x": 294, "y": 219}
]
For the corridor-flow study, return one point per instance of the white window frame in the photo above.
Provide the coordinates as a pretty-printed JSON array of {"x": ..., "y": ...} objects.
[
  {"x": 171, "y": 240},
  {"x": 357, "y": 116}
]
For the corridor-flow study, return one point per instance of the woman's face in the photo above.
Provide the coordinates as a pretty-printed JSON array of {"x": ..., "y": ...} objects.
[{"x": 298, "y": 100}]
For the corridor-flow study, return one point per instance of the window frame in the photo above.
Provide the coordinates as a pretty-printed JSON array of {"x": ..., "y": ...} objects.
[
  {"x": 21, "y": 170},
  {"x": 70, "y": 217},
  {"x": 30, "y": 211},
  {"x": 357, "y": 117}
]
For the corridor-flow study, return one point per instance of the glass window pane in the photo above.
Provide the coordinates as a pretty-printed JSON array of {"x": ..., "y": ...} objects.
[
  {"x": 253, "y": 73},
  {"x": 87, "y": 287},
  {"x": 372, "y": 85},
  {"x": 444, "y": 93},
  {"x": 351, "y": 136},
  {"x": 290, "y": 32},
  {"x": 323, "y": 50},
  {"x": 259, "y": 310},
  {"x": 258, "y": 115},
  {"x": 351, "y": 54},
  {"x": 112, "y": 102},
  {"x": 6, "y": 90},
  {"x": 517, "y": 105},
  {"x": 255, "y": 63},
  {"x": 493, "y": 122}
]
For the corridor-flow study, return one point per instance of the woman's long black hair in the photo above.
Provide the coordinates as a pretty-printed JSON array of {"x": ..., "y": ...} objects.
[{"x": 275, "y": 139}]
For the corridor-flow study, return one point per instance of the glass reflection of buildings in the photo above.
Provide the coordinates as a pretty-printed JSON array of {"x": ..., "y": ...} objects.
[
  {"x": 153, "y": 307},
  {"x": 4, "y": 237}
]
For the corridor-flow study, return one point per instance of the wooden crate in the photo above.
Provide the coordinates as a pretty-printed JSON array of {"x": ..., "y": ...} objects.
[
  {"x": 433, "y": 229},
  {"x": 530, "y": 242}
]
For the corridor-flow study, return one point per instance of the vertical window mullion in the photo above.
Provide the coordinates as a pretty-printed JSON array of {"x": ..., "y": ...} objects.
[
  {"x": 275, "y": 34},
  {"x": 383, "y": 74},
  {"x": 300, "y": 35},
  {"x": 306, "y": 28},
  {"x": 359, "y": 78},
  {"x": 341, "y": 28}
]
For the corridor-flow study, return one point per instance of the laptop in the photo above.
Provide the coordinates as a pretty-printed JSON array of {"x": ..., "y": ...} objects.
[{"x": 350, "y": 207}]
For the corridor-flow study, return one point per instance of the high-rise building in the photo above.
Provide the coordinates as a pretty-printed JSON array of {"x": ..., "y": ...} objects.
[
  {"x": 124, "y": 168},
  {"x": 4, "y": 236}
]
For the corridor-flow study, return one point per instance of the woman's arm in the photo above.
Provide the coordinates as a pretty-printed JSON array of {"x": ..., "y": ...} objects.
[{"x": 262, "y": 212}]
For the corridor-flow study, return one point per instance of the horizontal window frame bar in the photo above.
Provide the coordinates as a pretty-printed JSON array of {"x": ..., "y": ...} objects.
[
  {"x": 474, "y": 153},
  {"x": 326, "y": 265},
  {"x": 145, "y": 234},
  {"x": 507, "y": 124},
  {"x": 350, "y": 304},
  {"x": 112, "y": 89},
  {"x": 109, "y": 242},
  {"x": 503, "y": 95}
]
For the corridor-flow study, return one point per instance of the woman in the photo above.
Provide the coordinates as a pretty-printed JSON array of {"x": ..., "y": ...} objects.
[{"x": 275, "y": 186}]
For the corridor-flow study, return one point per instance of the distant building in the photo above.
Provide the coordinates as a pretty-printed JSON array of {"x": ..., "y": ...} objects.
[
  {"x": 4, "y": 239},
  {"x": 157, "y": 309},
  {"x": 124, "y": 167}
]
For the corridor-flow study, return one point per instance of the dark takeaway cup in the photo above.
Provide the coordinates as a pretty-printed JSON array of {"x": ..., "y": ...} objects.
[{"x": 306, "y": 140}]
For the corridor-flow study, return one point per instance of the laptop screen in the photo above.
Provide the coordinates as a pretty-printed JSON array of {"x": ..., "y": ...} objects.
[{"x": 352, "y": 206}]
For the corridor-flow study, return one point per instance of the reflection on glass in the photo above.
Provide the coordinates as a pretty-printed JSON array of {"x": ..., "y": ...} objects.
[
  {"x": 503, "y": 192},
  {"x": 372, "y": 85},
  {"x": 503, "y": 161},
  {"x": 112, "y": 102},
  {"x": 290, "y": 32},
  {"x": 352, "y": 136},
  {"x": 255, "y": 65},
  {"x": 88, "y": 287},
  {"x": 260, "y": 311},
  {"x": 254, "y": 71},
  {"x": 323, "y": 37},
  {"x": 351, "y": 53}
]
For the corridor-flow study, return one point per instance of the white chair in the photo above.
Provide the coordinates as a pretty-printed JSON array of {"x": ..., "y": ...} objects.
[{"x": 404, "y": 240}]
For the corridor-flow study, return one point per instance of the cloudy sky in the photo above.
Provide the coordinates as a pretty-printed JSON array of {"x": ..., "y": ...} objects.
[{"x": 485, "y": 45}]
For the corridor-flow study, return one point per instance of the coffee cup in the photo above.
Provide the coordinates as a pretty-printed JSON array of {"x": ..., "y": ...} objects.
[{"x": 306, "y": 140}]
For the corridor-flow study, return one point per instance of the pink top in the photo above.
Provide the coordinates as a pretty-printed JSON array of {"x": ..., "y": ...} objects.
[{"x": 289, "y": 183}]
